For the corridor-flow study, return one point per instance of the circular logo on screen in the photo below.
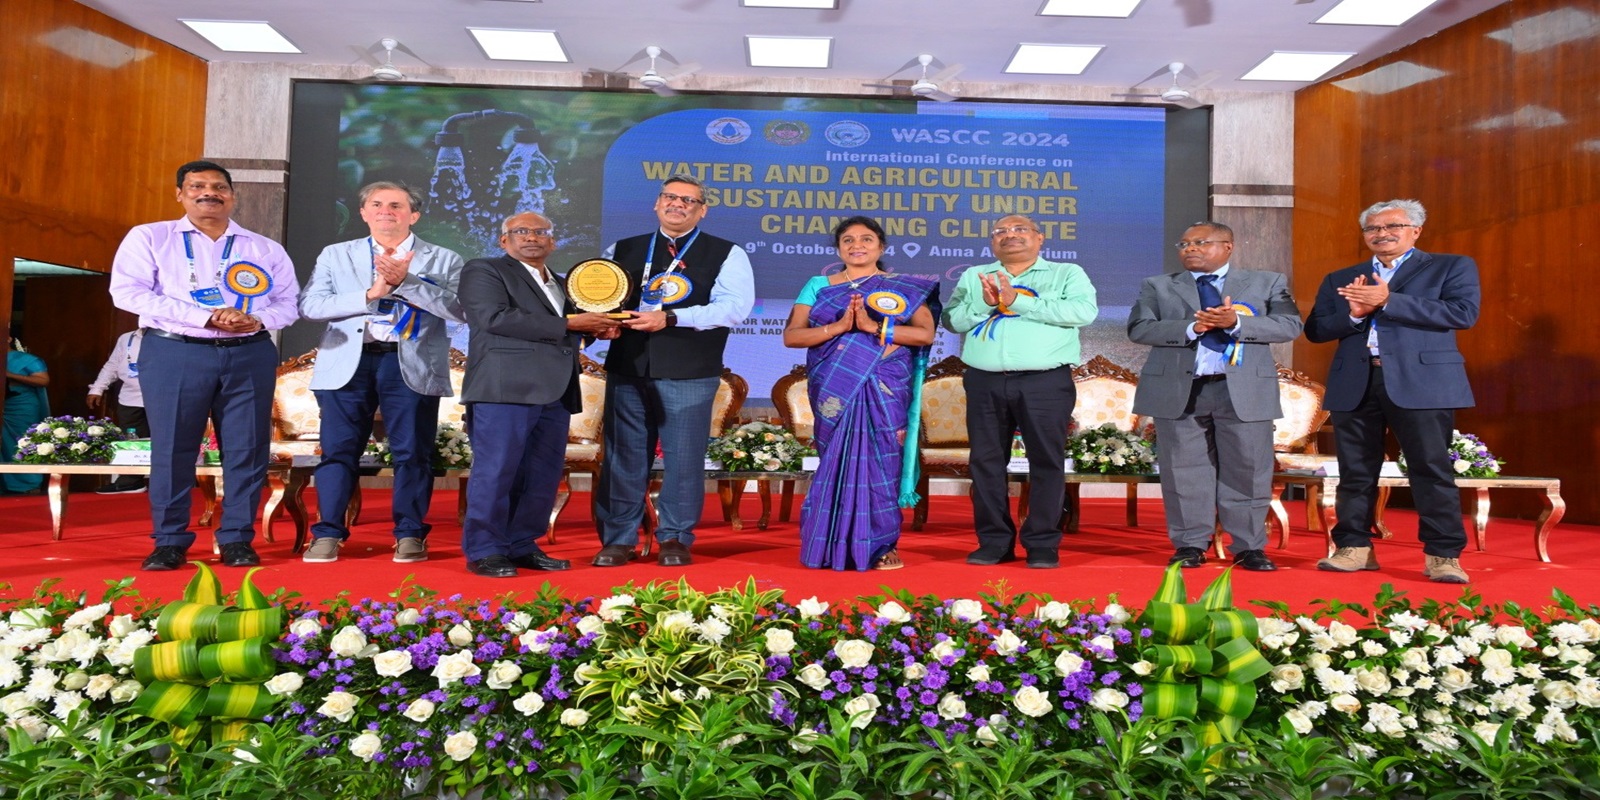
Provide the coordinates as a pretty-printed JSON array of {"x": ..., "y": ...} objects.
[
  {"x": 847, "y": 133},
  {"x": 787, "y": 133},
  {"x": 727, "y": 130}
]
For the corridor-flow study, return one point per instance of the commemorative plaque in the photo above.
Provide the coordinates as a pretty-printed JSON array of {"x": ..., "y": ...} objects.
[{"x": 599, "y": 285}]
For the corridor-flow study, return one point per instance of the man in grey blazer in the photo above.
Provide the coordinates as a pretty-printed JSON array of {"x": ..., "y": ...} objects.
[
  {"x": 385, "y": 298},
  {"x": 1211, "y": 384},
  {"x": 521, "y": 391}
]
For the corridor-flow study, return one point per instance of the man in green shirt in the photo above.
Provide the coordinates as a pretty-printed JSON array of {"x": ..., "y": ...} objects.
[{"x": 1019, "y": 320}]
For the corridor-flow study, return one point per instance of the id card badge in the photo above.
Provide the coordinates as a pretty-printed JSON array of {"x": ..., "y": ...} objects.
[
  {"x": 133, "y": 369},
  {"x": 208, "y": 298},
  {"x": 386, "y": 306}
]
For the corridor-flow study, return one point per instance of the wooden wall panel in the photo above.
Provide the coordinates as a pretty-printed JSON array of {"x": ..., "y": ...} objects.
[{"x": 1504, "y": 150}]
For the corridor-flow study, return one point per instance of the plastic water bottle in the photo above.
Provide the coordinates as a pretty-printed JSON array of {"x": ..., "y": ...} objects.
[{"x": 1018, "y": 450}]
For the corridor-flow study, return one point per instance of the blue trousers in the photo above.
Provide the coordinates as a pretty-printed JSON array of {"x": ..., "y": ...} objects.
[
  {"x": 411, "y": 421},
  {"x": 184, "y": 384},
  {"x": 518, "y": 454},
  {"x": 639, "y": 413}
]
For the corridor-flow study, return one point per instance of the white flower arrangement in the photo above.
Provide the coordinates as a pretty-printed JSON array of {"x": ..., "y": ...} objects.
[
  {"x": 1110, "y": 451},
  {"x": 452, "y": 449},
  {"x": 759, "y": 447},
  {"x": 1469, "y": 457}
]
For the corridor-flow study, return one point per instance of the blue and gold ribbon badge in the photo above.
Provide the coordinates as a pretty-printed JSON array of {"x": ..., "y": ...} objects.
[
  {"x": 1235, "y": 351},
  {"x": 986, "y": 327},
  {"x": 670, "y": 288},
  {"x": 888, "y": 303},
  {"x": 407, "y": 321},
  {"x": 247, "y": 281}
]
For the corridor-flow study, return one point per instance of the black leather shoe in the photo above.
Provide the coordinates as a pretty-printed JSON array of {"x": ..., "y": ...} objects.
[
  {"x": 674, "y": 554},
  {"x": 1253, "y": 560},
  {"x": 1189, "y": 557},
  {"x": 493, "y": 567},
  {"x": 614, "y": 555},
  {"x": 1043, "y": 558},
  {"x": 985, "y": 557},
  {"x": 165, "y": 559},
  {"x": 239, "y": 554},
  {"x": 541, "y": 561}
]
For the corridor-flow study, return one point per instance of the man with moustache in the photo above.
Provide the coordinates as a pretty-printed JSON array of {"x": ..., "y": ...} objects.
[
  {"x": 1019, "y": 318},
  {"x": 1397, "y": 369},
  {"x": 385, "y": 297},
  {"x": 1211, "y": 384},
  {"x": 521, "y": 390},
  {"x": 662, "y": 373},
  {"x": 206, "y": 291}
]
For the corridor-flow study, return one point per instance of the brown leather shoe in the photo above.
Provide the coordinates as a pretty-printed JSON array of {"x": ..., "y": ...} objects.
[
  {"x": 674, "y": 554},
  {"x": 614, "y": 555}
]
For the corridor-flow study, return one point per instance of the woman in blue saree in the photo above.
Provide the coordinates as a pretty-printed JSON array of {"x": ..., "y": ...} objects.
[
  {"x": 867, "y": 333},
  {"x": 26, "y": 404}
]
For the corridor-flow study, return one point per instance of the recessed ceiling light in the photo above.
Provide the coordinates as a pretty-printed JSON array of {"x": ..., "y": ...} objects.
[
  {"x": 1088, "y": 8},
  {"x": 511, "y": 45},
  {"x": 805, "y": 52},
  {"x": 1304, "y": 67},
  {"x": 241, "y": 37},
  {"x": 1052, "y": 59},
  {"x": 824, "y": 4},
  {"x": 1373, "y": 12}
]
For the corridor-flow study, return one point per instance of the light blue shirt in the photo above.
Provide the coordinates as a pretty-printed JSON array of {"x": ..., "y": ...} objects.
[
  {"x": 1387, "y": 274},
  {"x": 1206, "y": 360}
]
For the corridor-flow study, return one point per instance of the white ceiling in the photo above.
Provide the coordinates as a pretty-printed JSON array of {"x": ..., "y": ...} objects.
[{"x": 872, "y": 38}]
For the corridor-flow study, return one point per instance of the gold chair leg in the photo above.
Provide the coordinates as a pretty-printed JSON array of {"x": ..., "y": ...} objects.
[{"x": 563, "y": 494}]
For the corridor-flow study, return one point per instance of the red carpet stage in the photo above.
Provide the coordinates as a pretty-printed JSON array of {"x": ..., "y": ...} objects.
[{"x": 107, "y": 536}]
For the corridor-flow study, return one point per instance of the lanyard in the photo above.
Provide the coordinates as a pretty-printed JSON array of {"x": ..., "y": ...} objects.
[
  {"x": 674, "y": 255},
  {"x": 222, "y": 263}
]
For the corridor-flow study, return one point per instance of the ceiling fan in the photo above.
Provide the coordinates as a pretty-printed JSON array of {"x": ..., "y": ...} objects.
[
  {"x": 925, "y": 86},
  {"x": 653, "y": 79},
  {"x": 385, "y": 70},
  {"x": 1175, "y": 93}
]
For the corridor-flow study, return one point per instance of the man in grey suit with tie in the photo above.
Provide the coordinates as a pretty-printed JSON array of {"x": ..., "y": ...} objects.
[
  {"x": 521, "y": 391},
  {"x": 385, "y": 298},
  {"x": 1211, "y": 384}
]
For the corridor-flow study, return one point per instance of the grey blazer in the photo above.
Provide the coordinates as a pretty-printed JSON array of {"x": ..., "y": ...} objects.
[
  {"x": 519, "y": 350},
  {"x": 1161, "y": 317},
  {"x": 337, "y": 294}
]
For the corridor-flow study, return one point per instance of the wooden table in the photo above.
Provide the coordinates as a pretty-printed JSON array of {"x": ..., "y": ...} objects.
[
  {"x": 1075, "y": 480},
  {"x": 58, "y": 489},
  {"x": 1554, "y": 507}
]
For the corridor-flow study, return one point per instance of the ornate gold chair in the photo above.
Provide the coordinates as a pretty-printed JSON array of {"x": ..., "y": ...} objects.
[
  {"x": 945, "y": 450},
  {"x": 1105, "y": 392},
  {"x": 296, "y": 420},
  {"x": 789, "y": 396},
  {"x": 1294, "y": 438}
]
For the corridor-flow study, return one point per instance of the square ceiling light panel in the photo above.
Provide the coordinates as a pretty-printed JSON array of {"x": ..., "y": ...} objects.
[
  {"x": 1052, "y": 59},
  {"x": 1302, "y": 67},
  {"x": 514, "y": 45},
  {"x": 1088, "y": 8},
  {"x": 827, "y": 5},
  {"x": 803, "y": 52},
  {"x": 1392, "y": 13},
  {"x": 241, "y": 37}
]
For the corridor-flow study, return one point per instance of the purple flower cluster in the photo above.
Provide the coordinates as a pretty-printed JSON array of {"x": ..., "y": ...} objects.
[{"x": 40, "y": 444}]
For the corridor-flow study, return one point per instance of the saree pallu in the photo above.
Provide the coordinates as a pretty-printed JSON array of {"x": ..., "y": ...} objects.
[{"x": 860, "y": 398}]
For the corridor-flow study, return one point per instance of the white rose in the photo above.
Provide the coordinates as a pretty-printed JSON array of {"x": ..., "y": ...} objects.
[
  {"x": 862, "y": 709},
  {"x": 305, "y": 626},
  {"x": 461, "y": 745},
  {"x": 75, "y": 681},
  {"x": 454, "y": 667},
  {"x": 519, "y": 622},
  {"x": 529, "y": 704},
  {"x": 978, "y": 673},
  {"x": 284, "y": 683},
  {"x": 1297, "y": 718},
  {"x": 1486, "y": 731},
  {"x": 591, "y": 624},
  {"x": 1415, "y": 659},
  {"x": 987, "y": 735},
  {"x": 812, "y": 607},
  {"x": 805, "y": 740},
  {"x": 1374, "y": 681},
  {"x": 83, "y": 617},
  {"x": 1345, "y": 704},
  {"x": 1287, "y": 678},
  {"x": 1587, "y": 692},
  {"x": 1142, "y": 668},
  {"x": 610, "y": 608},
  {"x": 1372, "y": 649},
  {"x": 45, "y": 449},
  {"x": 585, "y": 673},
  {"x": 815, "y": 676},
  {"x": 1109, "y": 699},
  {"x": 1560, "y": 694},
  {"x": 1053, "y": 611},
  {"x": 98, "y": 686},
  {"x": 1006, "y": 643},
  {"x": 126, "y": 691},
  {"x": 952, "y": 707},
  {"x": 1117, "y": 614},
  {"x": 366, "y": 746},
  {"x": 1029, "y": 700},
  {"x": 419, "y": 710},
  {"x": 503, "y": 675},
  {"x": 460, "y": 635},
  {"x": 96, "y": 430},
  {"x": 915, "y": 671},
  {"x": 675, "y": 621},
  {"x": 61, "y": 433},
  {"x": 967, "y": 610},
  {"x": 941, "y": 649},
  {"x": 536, "y": 641},
  {"x": 574, "y": 717},
  {"x": 854, "y": 652},
  {"x": 1344, "y": 635},
  {"x": 1068, "y": 663},
  {"x": 893, "y": 612},
  {"x": 1106, "y": 644},
  {"x": 407, "y": 616},
  {"x": 79, "y": 447},
  {"x": 1455, "y": 679},
  {"x": 29, "y": 618},
  {"x": 12, "y": 705},
  {"x": 1514, "y": 635},
  {"x": 347, "y": 642},
  {"x": 392, "y": 663},
  {"x": 779, "y": 640},
  {"x": 122, "y": 625},
  {"x": 339, "y": 705}
]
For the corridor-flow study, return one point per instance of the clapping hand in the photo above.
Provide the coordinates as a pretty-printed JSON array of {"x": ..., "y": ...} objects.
[
  {"x": 1366, "y": 296},
  {"x": 1222, "y": 318},
  {"x": 862, "y": 320}
]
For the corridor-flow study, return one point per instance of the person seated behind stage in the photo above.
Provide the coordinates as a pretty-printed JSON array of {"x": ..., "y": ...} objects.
[
  {"x": 867, "y": 333},
  {"x": 385, "y": 297},
  {"x": 123, "y": 366},
  {"x": 26, "y": 404}
]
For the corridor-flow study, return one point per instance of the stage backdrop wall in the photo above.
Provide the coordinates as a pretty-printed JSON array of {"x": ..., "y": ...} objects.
[{"x": 1493, "y": 124}]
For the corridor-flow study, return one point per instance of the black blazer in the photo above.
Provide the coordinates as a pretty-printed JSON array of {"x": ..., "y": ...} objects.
[{"x": 519, "y": 349}]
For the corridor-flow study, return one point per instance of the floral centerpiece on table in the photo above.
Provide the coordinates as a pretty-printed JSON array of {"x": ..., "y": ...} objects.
[
  {"x": 759, "y": 447},
  {"x": 451, "y": 449},
  {"x": 1469, "y": 457},
  {"x": 69, "y": 440},
  {"x": 1110, "y": 451}
]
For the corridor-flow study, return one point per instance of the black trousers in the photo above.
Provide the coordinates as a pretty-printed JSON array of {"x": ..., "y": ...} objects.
[
  {"x": 1424, "y": 435},
  {"x": 1039, "y": 406}
]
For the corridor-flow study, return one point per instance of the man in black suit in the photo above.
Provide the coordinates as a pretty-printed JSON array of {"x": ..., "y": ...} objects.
[
  {"x": 520, "y": 390},
  {"x": 1397, "y": 369}
]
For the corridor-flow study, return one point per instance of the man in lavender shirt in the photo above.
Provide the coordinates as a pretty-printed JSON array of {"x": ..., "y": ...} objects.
[{"x": 206, "y": 291}]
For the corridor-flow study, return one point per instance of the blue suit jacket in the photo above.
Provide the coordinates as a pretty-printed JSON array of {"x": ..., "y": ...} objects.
[{"x": 1431, "y": 297}]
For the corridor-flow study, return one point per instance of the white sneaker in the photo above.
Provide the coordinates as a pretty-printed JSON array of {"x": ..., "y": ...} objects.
[{"x": 323, "y": 550}]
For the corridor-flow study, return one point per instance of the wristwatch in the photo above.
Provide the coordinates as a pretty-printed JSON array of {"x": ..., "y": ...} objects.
[{"x": 672, "y": 318}]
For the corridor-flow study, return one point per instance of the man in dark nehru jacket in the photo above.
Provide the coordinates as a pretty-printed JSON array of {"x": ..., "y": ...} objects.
[{"x": 662, "y": 373}]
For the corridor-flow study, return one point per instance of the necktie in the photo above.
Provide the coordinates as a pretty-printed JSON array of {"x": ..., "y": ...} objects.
[{"x": 1213, "y": 339}]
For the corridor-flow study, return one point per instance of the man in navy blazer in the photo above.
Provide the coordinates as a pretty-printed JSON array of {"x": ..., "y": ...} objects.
[
  {"x": 385, "y": 297},
  {"x": 520, "y": 391},
  {"x": 1397, "y": 368}
]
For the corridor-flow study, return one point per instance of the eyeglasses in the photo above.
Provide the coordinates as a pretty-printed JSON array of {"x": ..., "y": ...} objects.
[
  {"x": 1012, "y": 229},
  {"x": 1393, "y": 227},
  {"x": 529, "y": 233},
  {"x": 1200, "y": 243},
  {"x": 669, "y": 197}
]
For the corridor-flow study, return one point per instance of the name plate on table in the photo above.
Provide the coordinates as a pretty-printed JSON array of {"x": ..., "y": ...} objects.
[
  {"x": 810, "y": 463},
  {"x": 131, "y": 452},
  {"x": 1018, "y": 465},
  {"x": 599, "y": 285}
]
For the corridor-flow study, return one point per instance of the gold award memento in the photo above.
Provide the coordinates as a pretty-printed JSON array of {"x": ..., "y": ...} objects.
[{"x": 599, "y": 285}]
